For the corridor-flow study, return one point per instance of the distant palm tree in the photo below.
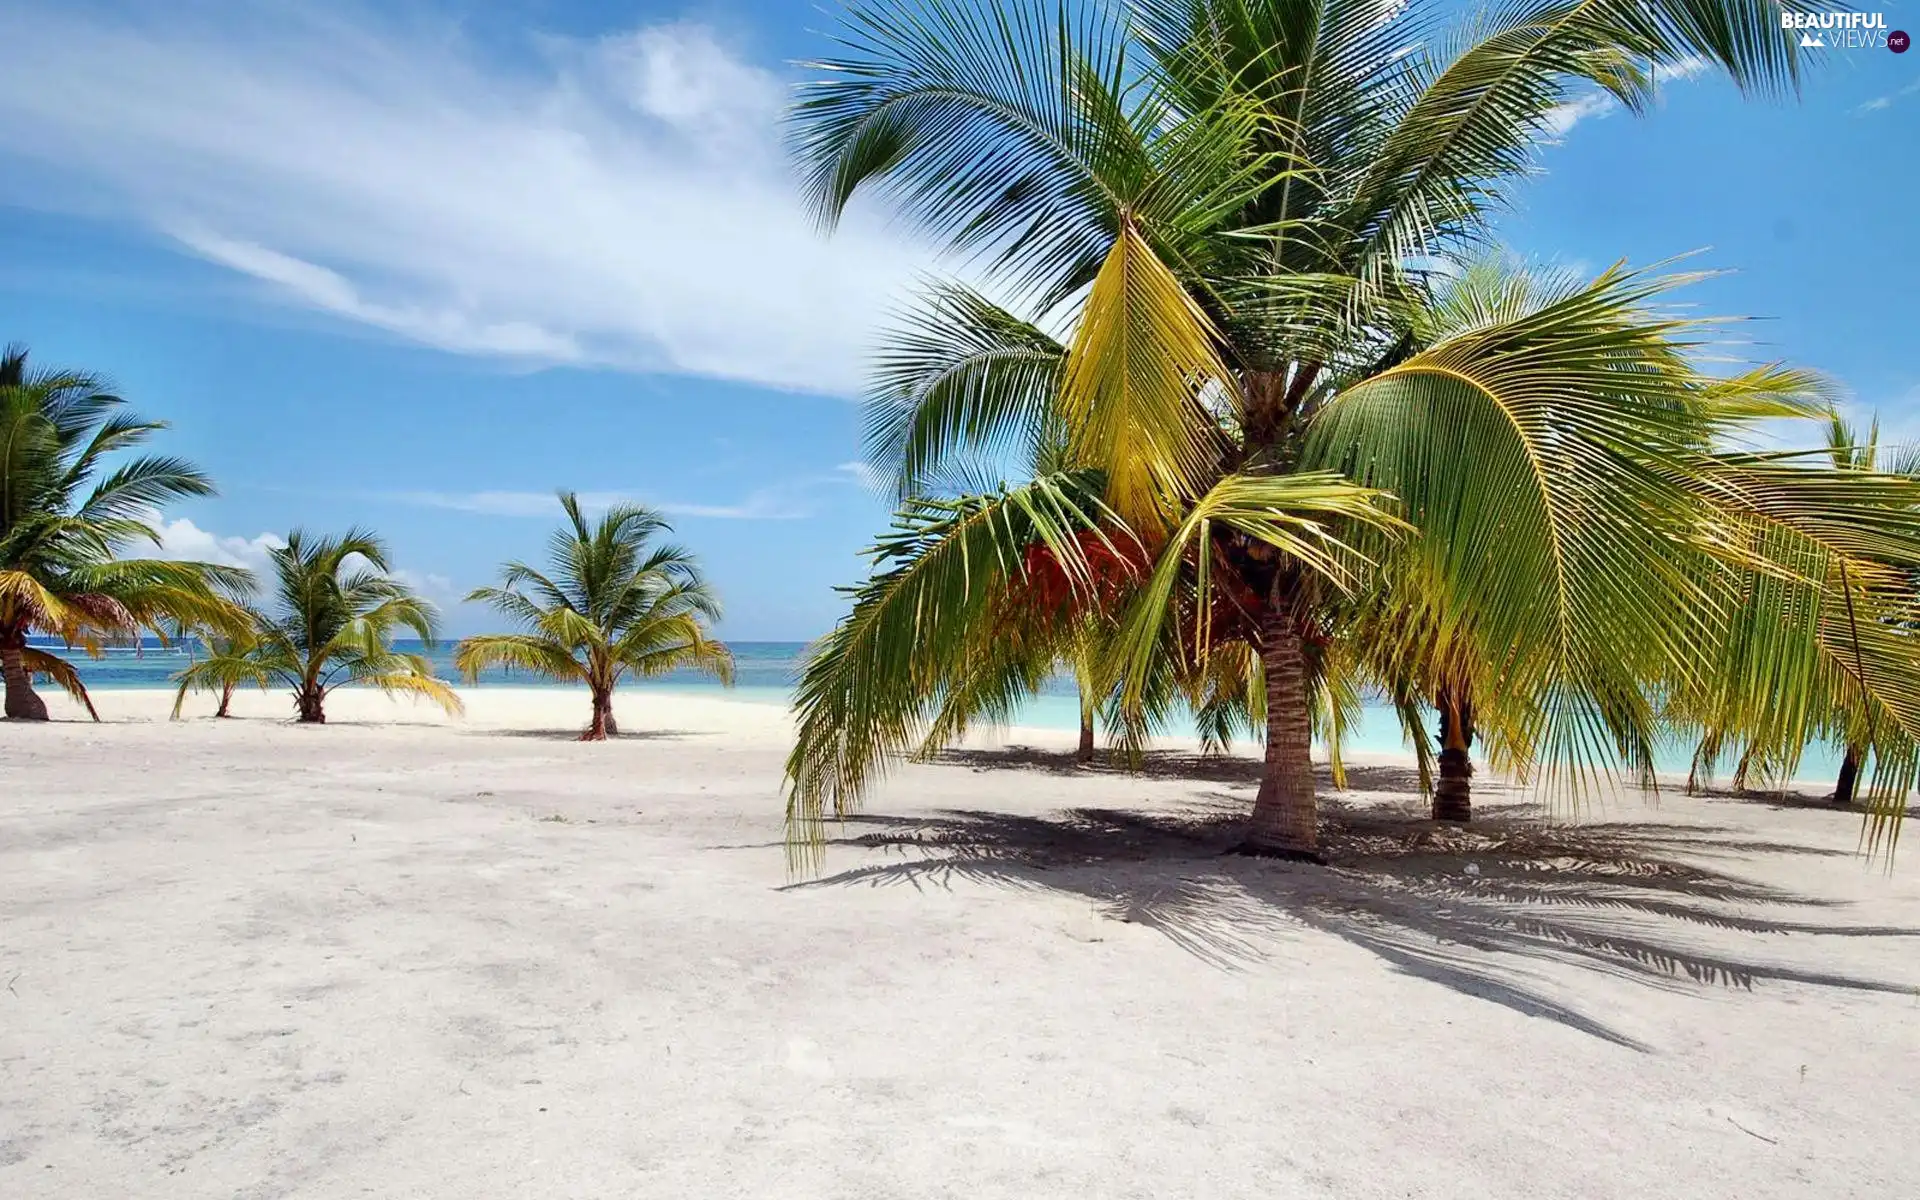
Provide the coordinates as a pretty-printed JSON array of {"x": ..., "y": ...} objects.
[
  {"x": 611, "y": 606},
  {"x": 59, "y": 542},
  {"x": 338, "y": 611},
  {"x": 219, "y": 643},
  {"x": 1773, "y": 691}
]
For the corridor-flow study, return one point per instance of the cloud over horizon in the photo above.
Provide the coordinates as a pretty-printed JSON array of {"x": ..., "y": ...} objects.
[
  {"x": 781, "y": 500},
  {"x": 181, "y": 539},
  {"x": 620, "y": 201}
]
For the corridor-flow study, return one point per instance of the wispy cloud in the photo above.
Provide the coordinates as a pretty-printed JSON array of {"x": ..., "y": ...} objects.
[
  {"x": 1564, "y": 117},
  {"x": 620, "y": 201},
  {"x": 1879, "y": 103},
  {"x": 864, "y": 475},
  {"x": 435, "y": 588},
  {"x": 181, "y": 539},
  {"x": 787, "y": 500}
]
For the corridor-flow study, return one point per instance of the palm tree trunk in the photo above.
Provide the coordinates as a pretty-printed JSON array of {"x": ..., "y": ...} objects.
[
  {"x": 603, "y": 724},
  {"x": 226, "y": 701},
  {"x": 22, "y": 703},
  {"x": 1741, "y": 770},
  {"x": 1453, "y": 795},
  {"x": 312, "y": 703},
  {"x": 1285, "y": 821},
  {"x": 1084, "y": 752},
  {"x": 1704, "y": 755},
  {"x": 1847, "y": 789}
]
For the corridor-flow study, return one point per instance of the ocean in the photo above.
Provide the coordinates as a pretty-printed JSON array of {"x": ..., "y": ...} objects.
[{"x": 765, "y": 673}]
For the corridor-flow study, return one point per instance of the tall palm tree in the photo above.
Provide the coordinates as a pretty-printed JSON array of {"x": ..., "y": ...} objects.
[
  {"x": 64, "y": 520},
  {"x": 610, "y": 604},
  {"x": 337, "y": 610},
  {"x": 1239, "y": 218}
]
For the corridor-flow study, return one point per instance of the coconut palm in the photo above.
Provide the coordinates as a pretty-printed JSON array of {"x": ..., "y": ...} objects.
[
  {"x": 1826, "y": 697},
  {"x": 337, "y": 608},
  {"x": 611, "y": 604},
  {"x": 1229, "y": 226},
  {"x": 65, "y": 518},
  {"x": 225, "y": 643},
  {"x": 1861, "y": 732}
]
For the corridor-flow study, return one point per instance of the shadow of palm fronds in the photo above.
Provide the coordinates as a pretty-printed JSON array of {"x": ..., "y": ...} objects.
[
  {"x": 1471, "y": 908},
  {"x": 1163, "y": 764}
]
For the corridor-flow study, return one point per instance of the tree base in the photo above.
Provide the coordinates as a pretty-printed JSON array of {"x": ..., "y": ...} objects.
[
  {"x": 26, "y": 708},
  {"x": 1282, "y": 853}
]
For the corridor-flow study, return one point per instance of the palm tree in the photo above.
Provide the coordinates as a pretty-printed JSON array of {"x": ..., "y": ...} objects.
[
  {"x": 1834, "y": 698},
  {"x": 1851, "y": 452},
  {"x": 338, "y": 608},
  {"x": 229, "y": 645},
  {"x": 611, "y": 604},
  {"x": 63, "y": 524},
  {"x": 1243, "y": 220}
]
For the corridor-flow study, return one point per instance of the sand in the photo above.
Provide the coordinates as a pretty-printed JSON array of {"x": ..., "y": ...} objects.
[{"x": 396, "y": 957}]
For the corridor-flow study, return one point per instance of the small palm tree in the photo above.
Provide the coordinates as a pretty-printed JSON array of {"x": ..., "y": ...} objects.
[
  {"x": 611, "y": 606},
  {"x": 338, "y": 611},
  {"x": 219, "y": 642},
  {"x": 60, "y": 573}
]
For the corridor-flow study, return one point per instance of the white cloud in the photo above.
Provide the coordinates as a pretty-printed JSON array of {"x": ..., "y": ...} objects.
[
  {"x": 781, "y": 502},
  {"x": 865, "y": 475},
  {"x": 1690, "y": 67},
  {"x": 181, "y": 539},
  {"x": 447, "y": 328},
  {"x": 504, "y": 503},
  {"x": 436, "y": 588},
  {"x": 1889, "y": 100},
  {"x": 623, "y": 201},
  {"x": 1564, "y": 117}
]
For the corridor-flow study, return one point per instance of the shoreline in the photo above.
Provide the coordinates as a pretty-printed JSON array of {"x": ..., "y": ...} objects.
[{"x": 555, "y": 708}]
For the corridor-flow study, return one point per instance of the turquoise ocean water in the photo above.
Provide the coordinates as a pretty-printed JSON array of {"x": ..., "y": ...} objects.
[{"x": 765, "y": 673}]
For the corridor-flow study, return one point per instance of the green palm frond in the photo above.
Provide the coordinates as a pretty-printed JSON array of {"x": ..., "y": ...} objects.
[
  {"x": 872, "y": 687},
  {"x": 517, "y": 652},
  {"x": 959, "y": 370},
  {"x": 58, "y": 669},
  {"x": 961, "y": 113},
  {"x": 1303, "y": 519}
]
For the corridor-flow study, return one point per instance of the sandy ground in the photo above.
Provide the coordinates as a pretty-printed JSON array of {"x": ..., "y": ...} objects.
[{"x": 248, "y": 959}]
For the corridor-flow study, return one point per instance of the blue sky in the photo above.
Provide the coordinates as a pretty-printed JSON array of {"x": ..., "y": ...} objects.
[{"x": 414, "y": 267}]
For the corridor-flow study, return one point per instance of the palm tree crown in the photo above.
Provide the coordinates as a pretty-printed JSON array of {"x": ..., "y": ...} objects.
[
  {"x": 1311, "y": 436},
  {"x": 610, "y": 604},
  {"x": 64, "y": 519},
  {"x": 337, "y": 608}
]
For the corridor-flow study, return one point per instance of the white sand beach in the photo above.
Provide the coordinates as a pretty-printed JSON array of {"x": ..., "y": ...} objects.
[{"x": 400, "y": 957}]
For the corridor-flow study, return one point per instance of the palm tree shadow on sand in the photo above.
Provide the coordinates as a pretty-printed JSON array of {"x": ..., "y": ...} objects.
[{"x": 1467, "y": 908}]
